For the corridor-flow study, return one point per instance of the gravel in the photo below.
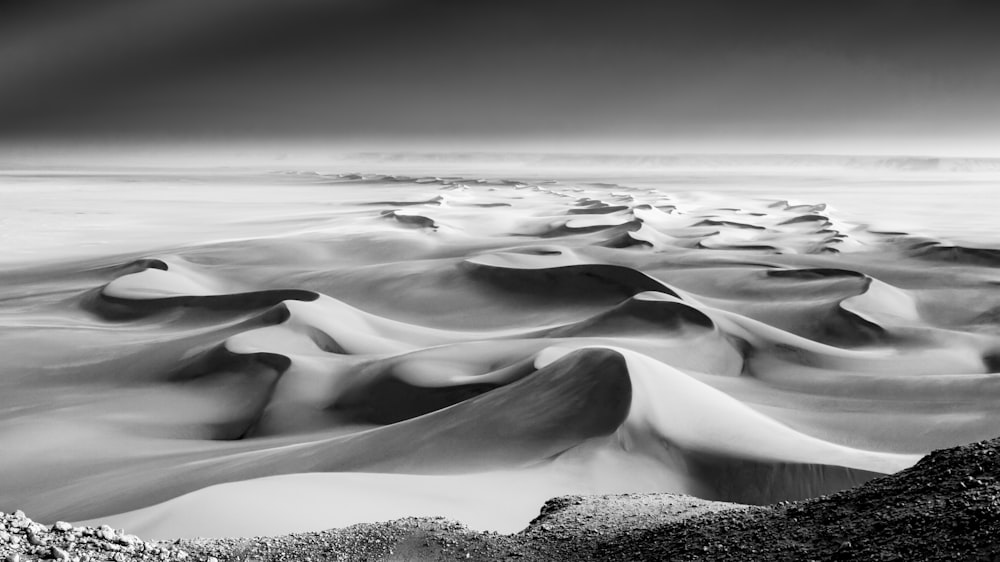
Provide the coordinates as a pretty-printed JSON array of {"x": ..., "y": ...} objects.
[{"x": 946, "y": 507}]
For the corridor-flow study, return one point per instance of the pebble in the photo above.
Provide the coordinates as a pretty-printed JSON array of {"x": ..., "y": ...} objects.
[{"x": 62, "y": 526}]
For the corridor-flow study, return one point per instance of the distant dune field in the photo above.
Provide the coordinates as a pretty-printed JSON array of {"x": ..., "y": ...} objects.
[{"x": 248, "y": 353}]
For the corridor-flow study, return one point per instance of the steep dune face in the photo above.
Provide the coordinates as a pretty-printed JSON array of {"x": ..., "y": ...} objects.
[{"x": 464, "y": 343}]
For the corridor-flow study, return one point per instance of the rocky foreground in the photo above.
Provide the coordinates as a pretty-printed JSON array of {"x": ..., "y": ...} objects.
[{"x": 946, "y": 507}]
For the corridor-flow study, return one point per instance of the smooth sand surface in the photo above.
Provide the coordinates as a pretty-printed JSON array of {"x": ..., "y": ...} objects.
[{"x": 242, "y": 354}]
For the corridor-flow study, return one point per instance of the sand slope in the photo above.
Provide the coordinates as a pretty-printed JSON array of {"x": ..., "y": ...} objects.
[{"x": 470, "y": 347}]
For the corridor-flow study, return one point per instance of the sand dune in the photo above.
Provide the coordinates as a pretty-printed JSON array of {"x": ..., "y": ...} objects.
[{"x": 379, "y": 346}]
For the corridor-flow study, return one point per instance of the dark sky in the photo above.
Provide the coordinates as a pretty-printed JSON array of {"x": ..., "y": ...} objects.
[{"x": 614, "y": 73}]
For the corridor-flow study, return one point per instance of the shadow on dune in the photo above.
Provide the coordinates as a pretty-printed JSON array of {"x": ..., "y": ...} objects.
[
  {"x": 612, "y": 230},
  {"x": 248, "y": 380},
  {"x": 389, "y": 400},
  {"x": 598, "y": 210},
  {"x": 115, "y": 308},
  {"x": 625, "y": 240},
  {"x": 410, "y": 220},
  {"x": 815, "y": 273},
  {"x": 583, "y": 395},
  {"x": 755, "y": 482},
  {"x": 110, "y": 307},
  {"x": 581, "y": 280},
  {"x": 642, "y": 315},
  {"x": 936, "y": 251}
]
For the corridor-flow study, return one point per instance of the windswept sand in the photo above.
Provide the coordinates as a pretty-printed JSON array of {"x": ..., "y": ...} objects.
[{"x": 333, "y": 349}]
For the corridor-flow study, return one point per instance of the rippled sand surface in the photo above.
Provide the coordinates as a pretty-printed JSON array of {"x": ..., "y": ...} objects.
[{"x": 260, "y": 353}]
